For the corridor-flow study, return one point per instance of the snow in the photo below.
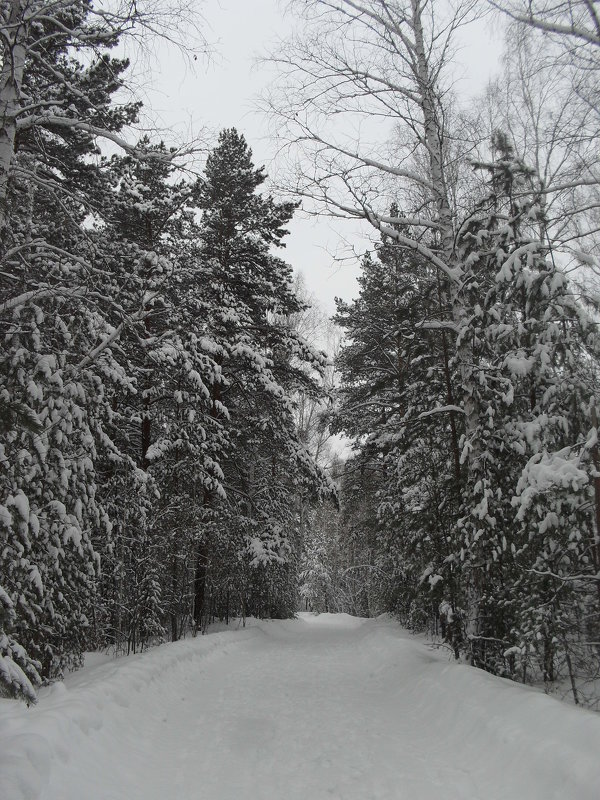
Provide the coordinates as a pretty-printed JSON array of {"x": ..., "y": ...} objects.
[
  {"x": 12, "y": 674},
  {"x": 320, "y": 707},
  {"x": 549, "y": 471},
  {"x": 5, "y": 516},
  {"x": 20, "y": 502}
]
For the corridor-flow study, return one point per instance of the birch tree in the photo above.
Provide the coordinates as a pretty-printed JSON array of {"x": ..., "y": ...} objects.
[
  {"x": 572, "y": 21},
  {"x": 378, "y": 60},
  {"x": 379, "y": 69},
  {"x": 544, "y": 100}
]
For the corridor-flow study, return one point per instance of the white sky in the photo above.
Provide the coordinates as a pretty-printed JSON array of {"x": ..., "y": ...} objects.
[{"x": 223, "y": 93}]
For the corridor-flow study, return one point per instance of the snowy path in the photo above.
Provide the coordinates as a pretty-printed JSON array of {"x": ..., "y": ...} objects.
[{"x": 325, "y": 707}]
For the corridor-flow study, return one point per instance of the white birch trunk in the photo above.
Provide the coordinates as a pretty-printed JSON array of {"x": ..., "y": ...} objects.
[
  {"x": 11, "y": 80},
  {"x": 433, "y": 138},
  {"x": 433, "y": 135}
]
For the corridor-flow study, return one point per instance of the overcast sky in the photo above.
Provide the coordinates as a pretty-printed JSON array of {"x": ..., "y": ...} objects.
[{"x": 223, "y": 93}]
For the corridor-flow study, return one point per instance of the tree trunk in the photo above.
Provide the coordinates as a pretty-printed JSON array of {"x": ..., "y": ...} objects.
[
  {"x": 11, "y": 80},
  {"x": 596, "y": 479},
  {"x": 200, "y": 584},
  {"x": 146, "y": 433},
  {"x": 173, "y": 615}
]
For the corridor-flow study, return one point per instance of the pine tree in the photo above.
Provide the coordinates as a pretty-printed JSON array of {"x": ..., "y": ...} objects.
[
  {"x": 530, "y": 339},
  {"x": 248, "y": 297},
  {"x": 164, "y": 425},
  {"x": 396, "y": 400}
]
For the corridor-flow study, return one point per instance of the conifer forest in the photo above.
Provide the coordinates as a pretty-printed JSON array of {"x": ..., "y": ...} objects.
[{"x": 188, "y": 437}]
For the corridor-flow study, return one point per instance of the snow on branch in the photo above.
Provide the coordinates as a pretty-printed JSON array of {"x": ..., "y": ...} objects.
[
  {"x": 554, "y": 26},
  {"x": 77, "y": 124},
  {"x": 450, "y": 409},
  {"x": 437, "y": 325},
  {"x": 40, "y": 294}
]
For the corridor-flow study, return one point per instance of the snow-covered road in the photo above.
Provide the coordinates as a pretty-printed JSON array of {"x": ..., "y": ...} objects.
[{"x": 320, "y": 707}]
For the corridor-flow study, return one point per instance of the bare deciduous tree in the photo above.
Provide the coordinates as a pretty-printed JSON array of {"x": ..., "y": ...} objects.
[
  {"x": 364, "y": 93},
  {"x": 575, "y": 21},
  {"x": 365, "y": 107},
  {"x": 554, "y": 131}
]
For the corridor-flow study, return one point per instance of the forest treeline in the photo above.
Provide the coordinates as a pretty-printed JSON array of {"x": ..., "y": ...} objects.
[
  {"x": 165, "y": 413},
  {"x": 151, "y": 462},
  {"x": 468, "y": 370}
]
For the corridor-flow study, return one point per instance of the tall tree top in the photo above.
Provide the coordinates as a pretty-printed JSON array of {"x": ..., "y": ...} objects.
[
  {"x": 229, "y": 199},
  {"x": 231, "y": 177}
]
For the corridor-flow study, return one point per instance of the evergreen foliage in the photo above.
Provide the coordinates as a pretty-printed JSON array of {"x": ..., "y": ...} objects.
[
  {"x": 496, "y": 552},
  {"x": 150, "y": 459},
  {"x": 163, "y": 420},
  {"x": 249, "y": 303}
]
